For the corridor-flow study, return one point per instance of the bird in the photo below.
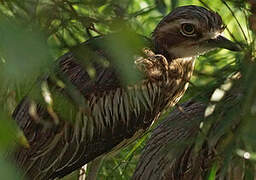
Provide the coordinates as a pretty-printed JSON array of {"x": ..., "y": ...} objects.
[
  {"x": 174, "y": 152},
  {"x": 168, "y": 154},
  {"x": 96, "y": 112}
]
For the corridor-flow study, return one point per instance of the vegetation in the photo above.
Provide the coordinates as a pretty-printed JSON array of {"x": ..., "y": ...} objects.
[{"x": 34, "y": 33}]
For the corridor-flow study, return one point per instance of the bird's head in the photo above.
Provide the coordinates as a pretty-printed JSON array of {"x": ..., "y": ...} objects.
[{"x": 189, "y": 31}]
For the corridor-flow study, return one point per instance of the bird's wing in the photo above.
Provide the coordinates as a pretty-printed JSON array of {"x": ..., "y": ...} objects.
[
  {"x": 100, "y": 64},
  {"x": 87, "y": 71},
  {"x": 167, "y": 154}
]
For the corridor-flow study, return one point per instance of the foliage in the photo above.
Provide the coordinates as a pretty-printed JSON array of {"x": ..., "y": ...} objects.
[{"x": 34, "y": 33}]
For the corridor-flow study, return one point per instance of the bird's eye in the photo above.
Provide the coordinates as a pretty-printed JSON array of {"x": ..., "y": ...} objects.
[{"x": 188, "y": 29}]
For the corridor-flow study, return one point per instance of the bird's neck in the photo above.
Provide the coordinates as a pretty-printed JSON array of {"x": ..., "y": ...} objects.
[
  {"x": 159, "y": 49},
  {"x": 161, "y": 44},
  {"x": 180, "y": 72},
  {"x": 183, "y": 67}
]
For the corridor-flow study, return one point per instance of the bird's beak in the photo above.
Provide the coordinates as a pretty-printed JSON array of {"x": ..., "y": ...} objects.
[{"x": 222, "y": 42}]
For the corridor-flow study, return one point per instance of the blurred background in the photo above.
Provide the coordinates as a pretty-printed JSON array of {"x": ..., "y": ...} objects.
[{"x": 34, "y": 33}]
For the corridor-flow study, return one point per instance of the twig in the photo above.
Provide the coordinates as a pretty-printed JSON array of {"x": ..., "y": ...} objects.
[
  {"x": 203, "y": 3},
  {"x": 92, "y": 27},
  {"x": 142, "y": 11}
]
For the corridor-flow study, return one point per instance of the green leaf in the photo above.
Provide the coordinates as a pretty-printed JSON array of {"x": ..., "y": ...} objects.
[
  {"x": 7, "y": 170},
  {"x": 213, "y": 172},
  {"x": 161, "y": 6}
]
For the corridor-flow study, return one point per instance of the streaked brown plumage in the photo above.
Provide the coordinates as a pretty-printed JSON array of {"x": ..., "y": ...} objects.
[
  {"x": 104, "y": 113},
  {"x": 173, "y": 151},
  {"x": 168, "y": 155}
]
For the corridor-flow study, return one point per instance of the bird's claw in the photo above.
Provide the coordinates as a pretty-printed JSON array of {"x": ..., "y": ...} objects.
[{"x": 153, "y": 65}]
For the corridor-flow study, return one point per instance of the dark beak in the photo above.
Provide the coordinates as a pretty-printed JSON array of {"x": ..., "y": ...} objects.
[{"x": 222, "y": 42}]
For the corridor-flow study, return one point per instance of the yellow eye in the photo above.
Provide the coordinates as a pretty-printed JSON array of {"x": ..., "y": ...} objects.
[{"x": 188, "y": 29}]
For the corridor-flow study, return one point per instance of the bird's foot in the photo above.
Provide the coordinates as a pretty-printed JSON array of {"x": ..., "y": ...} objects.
[{"x": 153, "y": 65}]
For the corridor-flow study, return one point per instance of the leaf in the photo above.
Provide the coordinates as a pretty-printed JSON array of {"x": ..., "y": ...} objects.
[
  {"x": 161, "y": 6},
  {"x": 7, "y": 170},
  {"x": 213, "y": 172},
  {"x": 174, "y": 4},
  {"x": 23, "y": 52},
  {"x": 10, "y": 134}
]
